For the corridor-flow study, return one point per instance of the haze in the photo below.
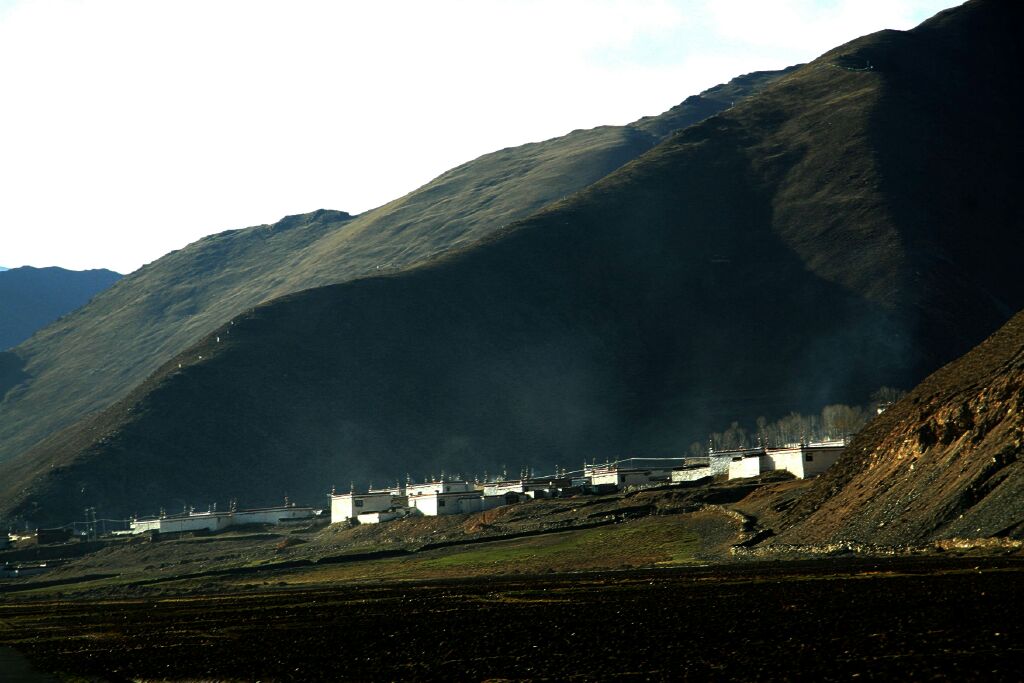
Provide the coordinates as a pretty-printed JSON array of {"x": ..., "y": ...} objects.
[{"x": 131, "y": 129}]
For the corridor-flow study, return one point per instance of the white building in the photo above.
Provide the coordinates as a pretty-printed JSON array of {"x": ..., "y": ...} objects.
[
  {"x": 615, "y": 475},
  {"x": 413, "y": 490},
  {"x": 346, "y": 506},
  {"x": 444, "y": 498},
  {"x": 747, "y": 465},
  {"x": 500, "y": 488},
  {"x": 808, "y": 460},
  {"x": 536, "y": 487},
  {"x": 381, "y": 516},
  {"x": 216, "y": 521},
  {"x": 430, "y": 499},
  {"x": 801, "y": 460},
  {"x": 715, "y": 464}
]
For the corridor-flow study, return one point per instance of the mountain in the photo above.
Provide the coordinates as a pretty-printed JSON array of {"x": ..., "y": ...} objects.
[
  {"x": 944, "y": 462},
  {"x": 854, "y": 224},
  {"x": 89, "y": 359},
  {"x": 31, "y": 298}
]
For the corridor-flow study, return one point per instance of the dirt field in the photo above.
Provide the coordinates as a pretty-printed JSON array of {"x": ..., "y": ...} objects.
[{"x": 911, "y": 618}]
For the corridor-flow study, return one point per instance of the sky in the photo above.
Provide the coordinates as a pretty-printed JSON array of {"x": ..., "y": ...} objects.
[{"x": 130, "y": 128}]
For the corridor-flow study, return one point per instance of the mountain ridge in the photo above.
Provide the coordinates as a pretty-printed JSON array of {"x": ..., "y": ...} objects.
[
  {"x": 93, "y": 357},
  {"x": 31, "y": 298}
]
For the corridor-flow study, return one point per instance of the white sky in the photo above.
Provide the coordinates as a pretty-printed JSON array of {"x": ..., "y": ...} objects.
[{"x": 129, "y": 128}]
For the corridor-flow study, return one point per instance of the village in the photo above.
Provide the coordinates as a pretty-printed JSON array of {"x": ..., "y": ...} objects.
[
  {"x": 452, "y": 495},
  {"x": 446, "y": 495}
]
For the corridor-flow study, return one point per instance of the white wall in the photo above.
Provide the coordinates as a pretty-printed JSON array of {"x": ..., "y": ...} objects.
[
  {"x": 439, "y": 487},
  {"x": 345, "y": 506},
  {"x": 447, "y": 504},
  {"x": 789, "y": 459},
  {"x": 691, "y": 474},
  {"x": 719, "y": 464},
  {"x": 800, "y": 461},
  {"x": 341, "y": 508},
  {"x": 716, "y": 464},
  {"x": 745, "y": 467},
  {"x": 269, "y": 515},
  {"x": 378, "y": 517},
  {"x": 219, "y": 520},
  {"x": 143, "y": 525},
  {"x": 605, "y": 478},
  {"x": 500, "y": 488},
  {"x": 170, "y": 525},
  {"x": 821, "y": 458},
  {"x": 427, "y": 504}
]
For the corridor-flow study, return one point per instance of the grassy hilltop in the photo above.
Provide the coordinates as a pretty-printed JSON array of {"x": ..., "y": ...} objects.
[{"x": 88, "y": 360}]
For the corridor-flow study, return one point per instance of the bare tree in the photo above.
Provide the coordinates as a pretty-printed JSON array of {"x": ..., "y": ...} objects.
[
  {"x": 885, "y": 397},
  {"x": 839, "y": 421}
]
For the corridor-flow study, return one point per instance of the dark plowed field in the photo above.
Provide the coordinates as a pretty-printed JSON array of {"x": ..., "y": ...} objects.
[{"x": 904, "y": 619}]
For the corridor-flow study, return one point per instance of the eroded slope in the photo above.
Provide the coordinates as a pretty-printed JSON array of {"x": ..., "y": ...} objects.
[{"x": 942, "y": 463}]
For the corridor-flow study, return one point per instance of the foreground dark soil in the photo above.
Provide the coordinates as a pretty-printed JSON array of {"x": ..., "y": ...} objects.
[{"x": 914, "y": 618}]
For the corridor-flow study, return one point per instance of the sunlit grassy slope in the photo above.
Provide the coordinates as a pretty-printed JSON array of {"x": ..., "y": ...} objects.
[{"x": 90, "y": 358}]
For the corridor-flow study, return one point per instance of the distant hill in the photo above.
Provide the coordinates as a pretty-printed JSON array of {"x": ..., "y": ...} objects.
[
  {"x": 944, "y": 462},
  {"x": 89, "y": 359},
  {"x": 807, "y": 246},
  {"x": 31, "y": 298}
]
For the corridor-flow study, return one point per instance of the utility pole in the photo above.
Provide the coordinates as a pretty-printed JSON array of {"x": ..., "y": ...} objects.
[{"x": 90, "y": 523}]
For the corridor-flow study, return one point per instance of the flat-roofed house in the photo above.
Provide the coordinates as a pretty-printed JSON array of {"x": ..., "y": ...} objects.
[
  {"x": 712, "y": 465},
  {"x": 347, "y": 506},
  {"x": 444, "y": 497},
  {"x": 191, "y": 521},
  {"x": 805, "y": 460},
  {"x": 616, "y": 475},
  {"x": 535, "y": 487},
  {"x": 801, "y": 460}
]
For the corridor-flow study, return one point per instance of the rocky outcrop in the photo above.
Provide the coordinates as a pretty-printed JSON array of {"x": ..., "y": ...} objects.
[{"x": 943, "y": 463}]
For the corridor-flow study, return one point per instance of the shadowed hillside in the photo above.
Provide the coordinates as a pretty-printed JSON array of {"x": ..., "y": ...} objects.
[
  {"x": 89, "y": 359},
  {"x": 941, "y": 463},
  {"x": 782, "y": 255},
  {"x": 31, "y": 298}
]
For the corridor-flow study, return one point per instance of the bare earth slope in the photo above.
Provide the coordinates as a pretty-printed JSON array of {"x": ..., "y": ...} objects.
[
  {"x": 944, "y": 462},
  {"x": 88, "y": 360},
  {"x": 780, "y": 255}
]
